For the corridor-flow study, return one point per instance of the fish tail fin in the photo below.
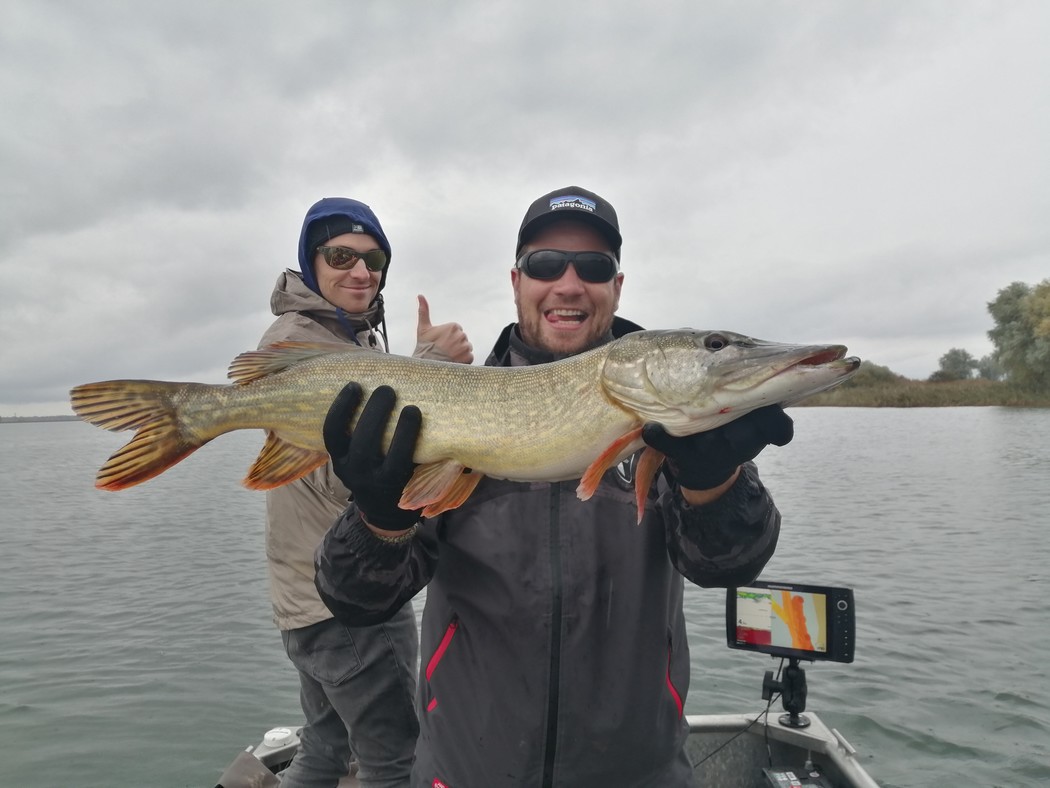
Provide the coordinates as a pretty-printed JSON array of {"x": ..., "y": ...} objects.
[{"x": 146, "y": 406}]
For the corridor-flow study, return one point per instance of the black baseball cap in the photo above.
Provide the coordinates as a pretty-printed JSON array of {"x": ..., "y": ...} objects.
[{"x": 572, "y": 202}]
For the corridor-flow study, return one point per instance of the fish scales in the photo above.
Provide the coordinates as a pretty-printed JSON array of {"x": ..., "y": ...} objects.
[{"x": 509, "y": 421}]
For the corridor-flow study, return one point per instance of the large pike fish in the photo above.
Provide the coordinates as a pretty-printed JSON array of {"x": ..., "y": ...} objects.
[{"x": 570, "y": 419}]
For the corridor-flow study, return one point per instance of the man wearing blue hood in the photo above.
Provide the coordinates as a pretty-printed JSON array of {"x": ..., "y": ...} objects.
[{"x": 357, "y": 683}]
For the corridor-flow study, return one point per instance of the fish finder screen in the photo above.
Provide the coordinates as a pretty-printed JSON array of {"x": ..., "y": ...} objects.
[
  {"x": 785, "y": 619},
  {"x": 791, "y": 620}
]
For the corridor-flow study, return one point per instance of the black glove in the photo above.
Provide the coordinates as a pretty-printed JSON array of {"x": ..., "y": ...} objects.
[
  {"x": 375, "y": 481},
  {"x": 707, "y": 459}
]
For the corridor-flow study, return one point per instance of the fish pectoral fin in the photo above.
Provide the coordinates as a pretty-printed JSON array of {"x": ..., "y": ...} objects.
[
  {"x": 436, "y": 487},
  {"x": 644, "y": 473},
  {"x": 456, "y": 495},
  {"x": 281, "y": 462},
  {"x": 596, "y": 470}
]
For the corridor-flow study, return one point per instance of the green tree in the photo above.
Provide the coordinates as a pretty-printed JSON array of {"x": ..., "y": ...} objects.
[
  {"x": 956, "y": 364},
  {"x": 1022, "y": 333},
  {"x": 988, "y": 368},
  {"x": 1037, "y": 306}
]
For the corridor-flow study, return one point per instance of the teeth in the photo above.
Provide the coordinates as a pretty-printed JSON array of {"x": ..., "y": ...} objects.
[{"x": 567, "y": 312}]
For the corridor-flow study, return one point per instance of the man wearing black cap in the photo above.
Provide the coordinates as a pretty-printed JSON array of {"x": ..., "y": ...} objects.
[
  {"x": 356, "y": 683},
  {"x": 567, "y": 314},
  {"x": 553, "y": 647}
]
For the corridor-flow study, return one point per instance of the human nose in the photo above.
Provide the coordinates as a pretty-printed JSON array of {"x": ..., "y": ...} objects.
[
  {"x": 358, "y": 269},
  {"x": 569, "y": 281}
]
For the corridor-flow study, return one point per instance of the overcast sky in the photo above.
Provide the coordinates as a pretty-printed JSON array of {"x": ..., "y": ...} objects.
[{"x": 870, "y": 173}]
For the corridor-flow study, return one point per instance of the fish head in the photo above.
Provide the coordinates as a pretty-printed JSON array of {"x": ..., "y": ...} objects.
[{"x": 690, "y": 380}]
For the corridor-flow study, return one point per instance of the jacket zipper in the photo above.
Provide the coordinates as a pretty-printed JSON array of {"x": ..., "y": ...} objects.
[
  {"x": 554, "y": 677},
  {"x": 438, "y": 654}
]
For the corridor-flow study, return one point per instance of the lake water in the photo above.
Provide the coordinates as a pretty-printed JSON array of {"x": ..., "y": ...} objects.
[{"x": 136, "y": 647}]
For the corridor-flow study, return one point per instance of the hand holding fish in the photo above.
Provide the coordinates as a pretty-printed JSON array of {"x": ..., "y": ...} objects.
[
  {"x": 376, "y": 481},
  {"x": 449, "y": 338},
  {"x": 708, "y": 460}
]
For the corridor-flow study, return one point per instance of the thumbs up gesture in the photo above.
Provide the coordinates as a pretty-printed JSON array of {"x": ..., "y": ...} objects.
[{"x": 446, "y": 342}]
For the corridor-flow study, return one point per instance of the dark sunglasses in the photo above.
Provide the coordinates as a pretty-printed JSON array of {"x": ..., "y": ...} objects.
[
  {"x": 548, "y": 264},
  {"x": 344, "y": 259}
]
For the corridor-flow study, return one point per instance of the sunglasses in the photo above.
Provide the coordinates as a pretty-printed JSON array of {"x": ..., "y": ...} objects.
[
  {"x": 549, "y": 264},
  {"x": 344, "y": 259}
]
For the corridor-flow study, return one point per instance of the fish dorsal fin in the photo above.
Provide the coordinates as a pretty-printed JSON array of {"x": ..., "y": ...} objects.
[
  {"x": 281, "y": 462},
  {"x": 596, "y": 470},
  {"x": 255, "y": 364},
  {"x": 644, "y": 473},
  {"x": 439, "y": 486}
]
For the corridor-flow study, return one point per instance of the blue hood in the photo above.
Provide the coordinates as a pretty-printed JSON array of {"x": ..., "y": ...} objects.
[{"x": 344, "y": 208}]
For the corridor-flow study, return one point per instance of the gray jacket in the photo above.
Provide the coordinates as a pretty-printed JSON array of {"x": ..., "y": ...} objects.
[
  {"x": 553, "y": 641},
  {"x": 299, "y": 513}
]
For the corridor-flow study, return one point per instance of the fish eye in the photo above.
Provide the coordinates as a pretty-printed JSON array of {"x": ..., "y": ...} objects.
[{"x": 715, "y": 342}]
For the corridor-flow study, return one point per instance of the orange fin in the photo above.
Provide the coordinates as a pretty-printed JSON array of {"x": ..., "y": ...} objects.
[
  {"x": 438, "y": 487},
  {"x": 644, "y": 473},
  {"x": 256, "y": 364},
  {"x": 143, "y": 405},
  {"x": 593, "y": 475},
  {"x": 457, "y": 494},
  {"x": 281, "y": 462}
]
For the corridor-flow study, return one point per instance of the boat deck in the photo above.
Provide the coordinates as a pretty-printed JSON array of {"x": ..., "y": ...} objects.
[{"x": 728, "y": 750}]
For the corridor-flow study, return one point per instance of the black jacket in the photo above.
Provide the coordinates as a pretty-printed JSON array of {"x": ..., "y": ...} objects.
[{"x": 553, "y": 640}]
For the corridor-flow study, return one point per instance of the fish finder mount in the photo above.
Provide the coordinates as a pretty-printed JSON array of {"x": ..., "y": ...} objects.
[{"x": 792, "y": 689}]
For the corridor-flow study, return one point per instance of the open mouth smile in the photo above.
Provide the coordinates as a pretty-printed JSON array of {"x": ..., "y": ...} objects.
[{"x": 565, "y": 317}]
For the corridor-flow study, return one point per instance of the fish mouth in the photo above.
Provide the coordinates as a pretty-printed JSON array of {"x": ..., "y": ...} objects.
[
  {"x": 812, "y": 364},
  {"x": 825, "y": 356},
  {"x": 829, "y": 363},
  {"x": 762, "y": 362}
]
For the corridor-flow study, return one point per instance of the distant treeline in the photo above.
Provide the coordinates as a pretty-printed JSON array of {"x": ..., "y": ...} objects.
[
  {"x": 1017, "y": 373},
  {"x": 1021, "y": 338},
  {"x": 875, "y": 386}
]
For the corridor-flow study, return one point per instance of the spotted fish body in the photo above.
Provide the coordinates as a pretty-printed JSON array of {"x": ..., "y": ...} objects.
[{"x": 570, "y": 419}]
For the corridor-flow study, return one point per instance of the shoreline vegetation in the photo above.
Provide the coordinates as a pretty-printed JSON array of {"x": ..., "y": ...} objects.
[
  {"x": 925, "y": 394},
  {"x": 875, "y": 386}
]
